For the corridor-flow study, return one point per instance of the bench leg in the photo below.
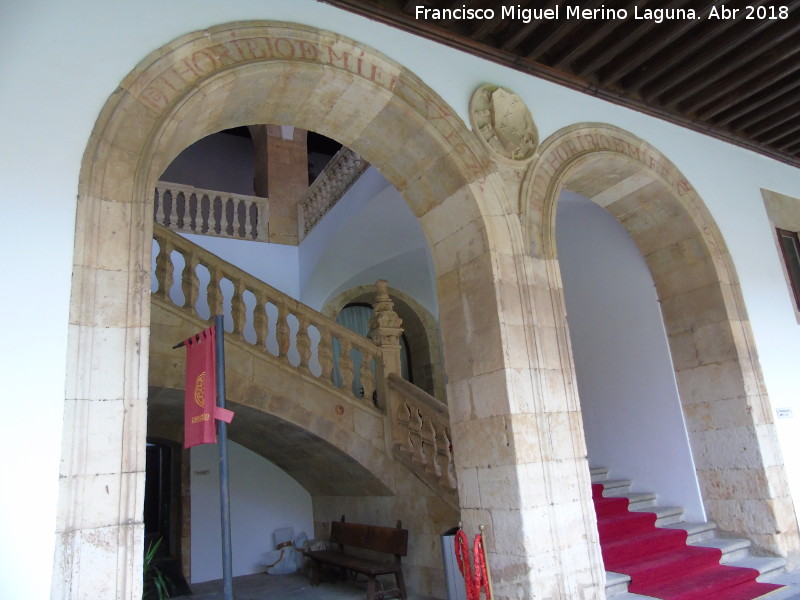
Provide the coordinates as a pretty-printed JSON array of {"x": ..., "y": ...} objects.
[
  {"x": 313, "y": 571},
  {"x": 371, "y": 589},
  {"x": 401, "y": 583}
]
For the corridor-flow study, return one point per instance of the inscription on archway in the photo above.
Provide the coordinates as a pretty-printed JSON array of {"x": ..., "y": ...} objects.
[
  {"x": 210, "y": 60},
  {"x": 555, "y": 157}
]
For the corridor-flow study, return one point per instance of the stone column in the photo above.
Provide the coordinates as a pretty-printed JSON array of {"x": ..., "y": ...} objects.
[
  {"x": 385, "y": 328},
  {"x": 281, "y": 174}
]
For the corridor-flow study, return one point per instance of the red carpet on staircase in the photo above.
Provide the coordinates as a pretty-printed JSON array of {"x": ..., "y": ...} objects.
[{"x": 659, "y": 561}]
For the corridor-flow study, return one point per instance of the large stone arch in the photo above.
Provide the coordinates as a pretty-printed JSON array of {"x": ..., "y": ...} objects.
[
  {"x": 265, "y": 72},
  {"x": 741, "y": 474}
]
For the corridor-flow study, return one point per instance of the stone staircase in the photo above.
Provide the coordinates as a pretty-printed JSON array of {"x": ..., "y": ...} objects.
[{"x": 735, "y": 552}]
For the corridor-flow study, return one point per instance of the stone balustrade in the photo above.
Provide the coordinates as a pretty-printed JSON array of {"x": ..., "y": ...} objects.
[
  {"x": 191, "y": 210},
  {"x": 203, "y": 285},
  {"x": 339, "y": 174},
  {"x": 420, "y": 430}
]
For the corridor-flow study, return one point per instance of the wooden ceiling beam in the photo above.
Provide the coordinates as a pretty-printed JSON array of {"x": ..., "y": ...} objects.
[
  {"x": 709, "y": 39},
  {"x": 748, "y": 66},
  {"x": 564, "y": 28},
  {"x": 654, "y": 45},
  {"x": 786, "y": 133},
  {"x": 767, "y": 125},
  {"x": 524, "y": 31},
  {"x": 750, "y": 112},
  {"x": 630, "y": 32},
  {"x": 755, "y": 96}
]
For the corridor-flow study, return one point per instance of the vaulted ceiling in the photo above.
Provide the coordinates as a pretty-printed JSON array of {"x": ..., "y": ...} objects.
[{"x": 737, "y": 79}]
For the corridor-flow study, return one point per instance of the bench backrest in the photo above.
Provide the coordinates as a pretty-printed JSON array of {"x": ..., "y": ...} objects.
[{"x": 391, "y": 540}]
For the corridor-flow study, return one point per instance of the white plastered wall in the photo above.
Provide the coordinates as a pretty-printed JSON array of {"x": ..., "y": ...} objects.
[
  {"x": 631, "y": 409},
  {"x": 61, "y": 63}
]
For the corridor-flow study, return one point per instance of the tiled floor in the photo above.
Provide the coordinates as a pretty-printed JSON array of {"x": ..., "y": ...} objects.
[{"x": 278, "y": 587}]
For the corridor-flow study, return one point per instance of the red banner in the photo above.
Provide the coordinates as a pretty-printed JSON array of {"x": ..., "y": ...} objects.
[{"x": 201, "y": 410}]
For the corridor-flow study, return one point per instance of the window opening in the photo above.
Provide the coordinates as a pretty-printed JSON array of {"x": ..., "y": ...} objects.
[{"x": 790, "y": 248}]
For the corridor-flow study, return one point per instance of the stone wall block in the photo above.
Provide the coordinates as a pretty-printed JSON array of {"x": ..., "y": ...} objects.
[
  {"x": 705, "y": 383},
  {"x": 528, "y": 437},
  {"x": 130, "y": 124},
  {"x": 467, "y": 244},
  {"x": 489, "y": 393},
  {"x": 683, "y": 351},
  {"x": 95, "y": 443},
  {"x": 98, "y": 362},
  {"x": 450, "y": 215},
  {"x": 93, "y": 303},
  {"x": 357, "y": 106},
  {"x": 693, "y": 309},
  {"x": 469, "y": 490},
  {"x": 440, "y": 179},
  {"x": 533, "y": 485},
  {"x": 482, "y": 442},
  {"x": 500, "y": 487},
  {"x": 715, "y": 343}
]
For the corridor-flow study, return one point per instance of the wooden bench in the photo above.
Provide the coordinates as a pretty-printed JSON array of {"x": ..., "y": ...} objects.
[{"x": 385, "y": 540}]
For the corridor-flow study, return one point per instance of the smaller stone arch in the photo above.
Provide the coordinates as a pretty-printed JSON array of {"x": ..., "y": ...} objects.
[
  {"x": 743, "y": 483},
  {"x": 420, "y": 328}
]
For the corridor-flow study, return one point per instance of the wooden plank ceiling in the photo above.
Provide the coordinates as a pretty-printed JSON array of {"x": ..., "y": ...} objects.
[{"x": 736, "y": 79}]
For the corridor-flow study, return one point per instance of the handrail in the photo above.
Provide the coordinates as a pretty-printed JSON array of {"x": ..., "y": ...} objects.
[{"x": 261, "y": 315}]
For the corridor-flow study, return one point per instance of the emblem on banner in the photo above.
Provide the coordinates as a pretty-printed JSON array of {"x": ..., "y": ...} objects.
[{"x": 200, "y": 389}]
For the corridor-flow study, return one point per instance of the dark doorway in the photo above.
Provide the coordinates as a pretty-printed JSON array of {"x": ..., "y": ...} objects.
[{"x": 162, "y": 510}]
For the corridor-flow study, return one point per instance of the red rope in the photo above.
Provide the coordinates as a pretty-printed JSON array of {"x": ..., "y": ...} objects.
[{"x": 478, "y": 582}]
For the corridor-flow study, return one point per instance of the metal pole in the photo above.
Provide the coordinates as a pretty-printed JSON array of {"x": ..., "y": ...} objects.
[{"x": 222, "y": 440}]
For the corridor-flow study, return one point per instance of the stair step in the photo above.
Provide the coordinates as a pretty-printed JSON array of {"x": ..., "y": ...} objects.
[
  {"x": 599, "y": 474},
  {"x": 732, "y": 549},
  {"x": 636, "y": 500},
  {"x": 665, "y": 515},
  {"x": 616, "y": 487},
  {"x": 766, "y": 565},
  {"x": 695, "y": 531},
  {"x": 616, "y": 583}
]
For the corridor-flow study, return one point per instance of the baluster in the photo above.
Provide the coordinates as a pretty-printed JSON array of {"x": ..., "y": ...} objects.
[
  {"x": 241, "y": 216},
  {"x": 205, "y": 213},
  {"x": 166, "y": 204},
  {"x": 365, "y": 373},
  {"x": 217, "y": 215},
  {"x": 161, "y": 267},
  {"x": 253, "y": 220},
  {"x": 156, "y": 204},
  {"x": 229, "y": 217},
  {"x": 415, "y": 429},
  {"x": 403, "y": 436},
  {"x": 448, "y": 477},
  {"x": 191, "y": 283},
  {"x": 303, "y": 343},
  {"x": 346, "y": 365},
  {"x": 431, "y": 455},
  {"x": 193, "y": 212},
  {"x": 260, "y": 321},
  {"x": 325, "y": 352},
  {"x": 180, "y": 209},
  {"x": 214, "y": 291},
  {"x": 238, "y": 308},
  {"x": 283, "y": 334}
]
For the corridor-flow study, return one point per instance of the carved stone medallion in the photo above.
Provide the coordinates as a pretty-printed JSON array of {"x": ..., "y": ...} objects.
[{"x": 503, "y": 122}]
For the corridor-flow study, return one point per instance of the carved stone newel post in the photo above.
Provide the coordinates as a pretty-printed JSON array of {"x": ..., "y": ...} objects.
[{"x": 385, "y": 328}]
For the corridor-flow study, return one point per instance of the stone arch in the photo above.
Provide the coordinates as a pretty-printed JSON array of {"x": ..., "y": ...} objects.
[
  {"x": 743, "y": 483},
  {"x": 420, "y": 328},
  {"x": 229, "y": 75}
]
